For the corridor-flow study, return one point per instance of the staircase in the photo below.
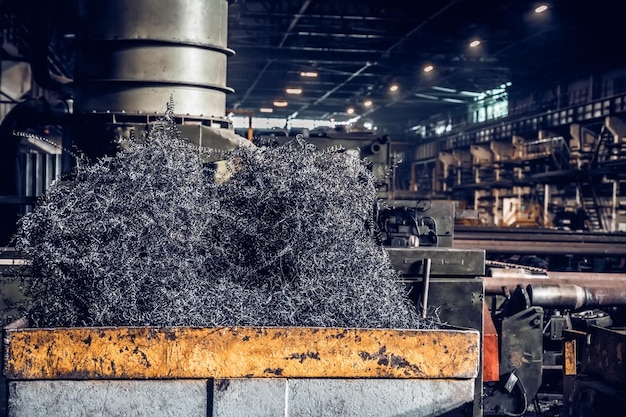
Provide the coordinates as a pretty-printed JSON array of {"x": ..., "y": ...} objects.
[{"x": 589, "y": 201}]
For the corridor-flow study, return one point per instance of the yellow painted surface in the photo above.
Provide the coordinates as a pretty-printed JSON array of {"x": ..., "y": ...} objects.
[
  {"x": 249, "y": 352},
  {"x": 569, "y": 355}
]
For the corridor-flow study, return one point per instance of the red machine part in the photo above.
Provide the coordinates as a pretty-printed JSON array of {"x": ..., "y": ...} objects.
[{"x": 491, "y": 358}]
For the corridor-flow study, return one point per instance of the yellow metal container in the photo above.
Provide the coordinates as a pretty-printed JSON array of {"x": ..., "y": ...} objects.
[
  {"x": 256, "y": 372},
  {"x": 238, "y": 352}
]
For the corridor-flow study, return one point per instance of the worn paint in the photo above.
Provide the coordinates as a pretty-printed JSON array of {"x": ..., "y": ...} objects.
[
  {"x": 239, "y": 352},
  {"x": 569, "y": 357}
]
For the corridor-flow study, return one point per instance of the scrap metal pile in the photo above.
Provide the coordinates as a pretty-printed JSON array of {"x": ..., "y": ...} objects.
[{"x": 156, "y": 237}]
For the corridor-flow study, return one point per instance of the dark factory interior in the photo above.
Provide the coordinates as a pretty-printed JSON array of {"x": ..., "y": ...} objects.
[{"x": 439, "y": 185}]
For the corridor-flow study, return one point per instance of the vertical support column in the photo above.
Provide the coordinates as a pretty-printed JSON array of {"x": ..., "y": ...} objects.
[
  {"x": 617, "y": 126},
  {"x": 575, "y": 145},
  {"x": 546, "y": 204},
  {"x": 39, "y": 173},
  {"x": 28, "y": 179},
  {"x": 497, "y": 212},
  {"x": 50, "y": 169},
  {"x": 58, "y": 165},
  {"x": 447, "y": 160},
  {"x": 481, "y": 158},
  {"x": 614, "y": 204}
]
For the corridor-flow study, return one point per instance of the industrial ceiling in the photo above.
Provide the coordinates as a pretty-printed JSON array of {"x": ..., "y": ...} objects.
[{"x": 360, "y": 48}]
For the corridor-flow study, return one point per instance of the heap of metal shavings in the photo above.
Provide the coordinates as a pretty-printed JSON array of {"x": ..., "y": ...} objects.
[{"x": 150, "y": 238}]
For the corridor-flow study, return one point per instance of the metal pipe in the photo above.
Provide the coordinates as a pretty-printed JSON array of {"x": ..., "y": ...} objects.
[
  {"x": 494, "y": 284},
  {"x": 586, "y": 276},
  {"x": 576, "y": 296},
  {"x": 613, "y": 295},
  {"x": 425, "y": 286},
  {"x": 512, "y": 273},
  {"x": 536, "y": 247},
  {"x": 566, "y": 296}
]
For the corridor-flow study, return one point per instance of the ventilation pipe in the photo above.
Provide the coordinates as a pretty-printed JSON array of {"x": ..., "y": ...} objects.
[{"x": 133, "y": 55}]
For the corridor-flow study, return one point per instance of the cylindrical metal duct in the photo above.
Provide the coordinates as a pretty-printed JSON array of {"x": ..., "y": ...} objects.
[
  {"x": 512, "y": 278},
  {"x": 577, "y": 296},
  {"x": 567, "y": 296},
  {"x": 133, "y": 55}
]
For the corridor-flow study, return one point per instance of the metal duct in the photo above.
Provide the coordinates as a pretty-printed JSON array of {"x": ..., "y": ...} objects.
[
  {"x": 568, "y": 296},
  {"x": 577, "y": 296},
  {"x": 133, "y": 55}
]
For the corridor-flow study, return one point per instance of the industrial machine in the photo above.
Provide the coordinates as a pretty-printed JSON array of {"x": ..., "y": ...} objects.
[
  {"x": 530, "y": 318},
  {"x": 443, "y": 281},
  {"x": 547, "y": 322}
]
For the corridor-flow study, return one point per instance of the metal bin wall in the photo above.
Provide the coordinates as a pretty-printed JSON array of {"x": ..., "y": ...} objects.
[{"x": 269, "y": 371}]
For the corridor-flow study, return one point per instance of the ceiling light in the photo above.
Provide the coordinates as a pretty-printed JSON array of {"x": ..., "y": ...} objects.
[
  {"x": 367, "y": 103},
  {"x": 308, "y": 74},
  {"x": 428, "y": 68},
  {"x": 294, "y": 91},
  {"x": 474, "y": 43},
  {"x": 444, "y": 89},
  {"x": 393, "y": 87},
  {"x": 428, "y": 96},
  {"x": 452, "y": 100},
  {"x": 540, "y": 9},
  {"x": 266, "y": 110},
  {"x": 350, "y": 110},
  {"x": 280, "y": 103}
]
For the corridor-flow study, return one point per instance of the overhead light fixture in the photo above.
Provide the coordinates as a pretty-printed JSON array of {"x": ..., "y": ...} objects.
[
  {"x": 428, "y": 96},
  {"x": 540, "y": 9},
  {"x": 294, "y": 91},
  {"x": 474, "y": 43},
  {"x": 428, "y": 68},
  {"x": 266, "y": 110},
  {"x": 452, "y": 100},
  {"x": 350, "y": 110},
  {"x": 280, "y": 103},
  {"x": 367, "y": 103},
  {"x": 393, "y": 88},
  {"x": 308, "y": 74},
  {"x": 444, "y": 89}
]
